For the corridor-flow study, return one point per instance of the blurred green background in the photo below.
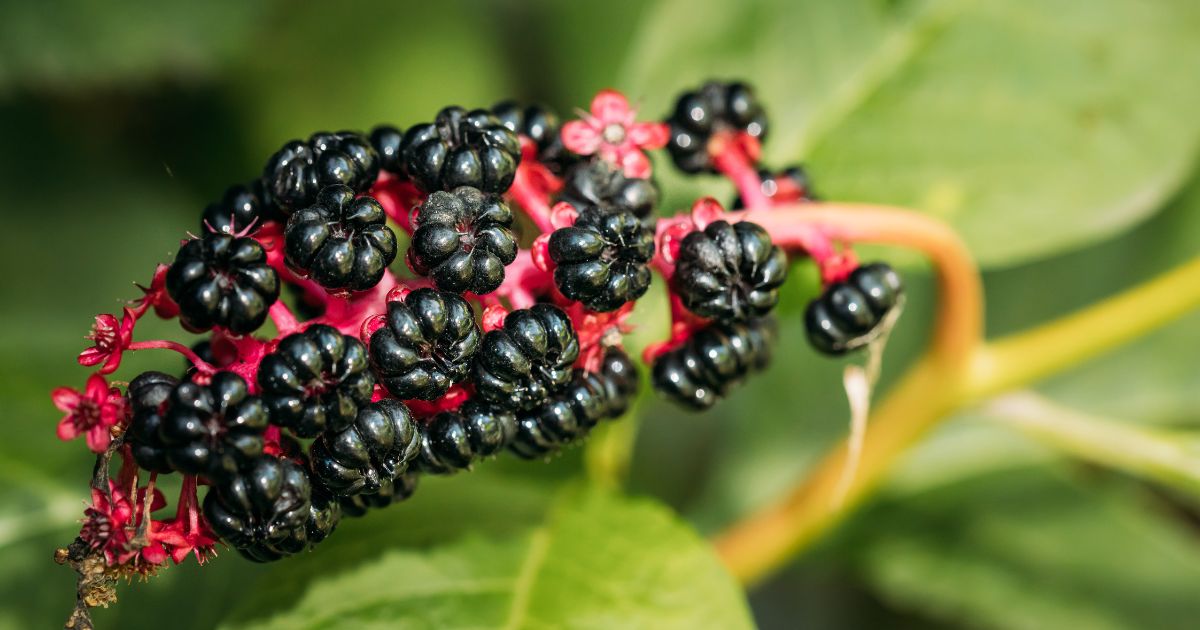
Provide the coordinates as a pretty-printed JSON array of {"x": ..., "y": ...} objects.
[{"x": 1058, "y": 136}]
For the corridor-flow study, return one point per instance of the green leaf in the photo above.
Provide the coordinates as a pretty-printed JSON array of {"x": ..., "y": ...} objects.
[
  {"x": 68, "y": 44},
  {"x": 1029, "y": 549},
  {"x": 1033, "y": 127},
  {"x": 589, "y": 560}
]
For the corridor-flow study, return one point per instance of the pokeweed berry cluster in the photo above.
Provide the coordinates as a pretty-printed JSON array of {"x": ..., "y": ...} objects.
[{"x": 528, "y": 243}]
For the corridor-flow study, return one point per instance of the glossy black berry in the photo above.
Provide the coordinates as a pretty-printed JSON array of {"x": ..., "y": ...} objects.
[
  {"x": 264, "y": 510},
  {"x": 453, "y": 440},
  {"x": 324, "y": 514},
  {"x": 713, "y": 108},
  {"x": 212, "y": 429},
  {"x": 462, "y": 240},
  {"x": 314, "y": 380},
  {"x": 621, "y": 380},
  {"x": 426, "y": 344},
  {"x": 522, "y": 364},
  {"x": 713, "y": 361},
  {"x": 847, "y": 315},
  {"x": 222, "y": 280},
  {"x": 386, "y": 141},
  {"x": 461, "y": 148},
  {"x": 373, "y": 450},
  {"x": 563, "y": 419},
  {"x": 301, "y": 169},
  {"x": 393, "y": 491},
  {"x": 602, "y": 185},
  {"x": 148, "y": 394},
  {"x": 240, "y": 208},
  {"x": 542, "y": 126},
  {"x": 789, "y": 185},
  {"x": 341, "y": 242},
  {"x": 730, "y": 272},
  {"x": 602, "y": 259}
]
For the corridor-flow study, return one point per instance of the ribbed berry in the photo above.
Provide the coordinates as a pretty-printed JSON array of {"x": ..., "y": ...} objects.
[
  {"x": 461, "y": 148},
  {"x": 148, "y": 394},
  {"x": 324, "y": 514},
  {"x": 364, "y": 456},
  {"x": 462, "y": 240},
  {"x": 341, "y": 242},
  {"x": 522, "y": 364},
  {"x": 212, "y": 429},
  {"x": 564, "y": 418},
  {"x": 316, "y": 380},
  {"x": 297, "y": 172},
  {"x": 603, "y": 185},
  {"x": 263, "y": 510},
  {"x": 714, "y": 107},
  {"x": 730, "y": 272},
  {"x": 788, "y": 185},
  {"x": 242, "y": 206},
  {"x": 621, "y": 380},
  {"x": 393, "y": 491},
  {"x": 222, "y": 280},
  {"x": 713, "y": 361},
  {"x": 602, "y": 259},
  {"x": 541, "y": 125},
  {"x": 847, "y": 315},
  {"x": 386, "y": 141},
  {"x": 453, "y": 440},
  {"x": 426, "y": 345}
]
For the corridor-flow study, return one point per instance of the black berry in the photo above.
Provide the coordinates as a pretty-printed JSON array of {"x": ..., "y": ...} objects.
[
  {"x": 602, "y": 259},
  {"x": 386, "y": 140},
  {"x": 788, "y": 185},
  {"x": 314, "y": 380},
  {"x": 297, "y": 172},
  {"x": 541, "y": 125},
  {"x": 600, "y": 184},
  {"x": 453, "y": 440},
  {"x": 148, "y": 394},
  {"x": 713, "y": 361},
  {"x": 621, "y": 380},
  {"x": 847, "y": 315},
  {"x": 364, "y": 456},
  {"x": 240, "y": 208},
  {"x": 392, "y": 491},
  {"x": 324, "y": 514},
  {"x": 563, "y": 419},
  {"x": 461, "y": 148},
  {"x": 264, "y": 510},
  {"x": 715, "y": 107},
  {"x": 426, "y": 344},
  {"x": 222, "y": 280},
  {"x": 212, "y": 429},
  {"x": 522, "y": 364},
  {"x": 463, "y": 241},
  {"x": 341, "y": 242},
  {"x": 730, "y": 272}
]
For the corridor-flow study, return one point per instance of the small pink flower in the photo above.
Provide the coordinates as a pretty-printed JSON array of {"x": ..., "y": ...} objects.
[
  {"x": 110, "y": 338},
  {"x": 93, "y": 412},
  {"x": 110, "y": 525},
  {"x": 612, "y": 131},
  {"x": 188, "y": 533}
]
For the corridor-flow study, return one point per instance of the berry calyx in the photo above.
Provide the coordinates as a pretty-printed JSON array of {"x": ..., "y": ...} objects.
[
  {"x": 296, "y": 173},
  {"x": 713, "y": 361},
  {"x": 602, "y": 259},
  {"x": 715, "y": 108},
  {"x": 222, "y": 280},
  {"x": 263, "y": 510},
  {"x": 367, "y": 454},
  {"x": 461, "y": 148},
  {"x": 342, "y": 241},
  {"x": 730, "y": 272},
  {"x": 316, "y": 380},
  {"x": 847, "y": 315},
  {"x": 520, "y": 365},
  {"x": 462, "y": 240},
  {"x": 426, "y": 344}
]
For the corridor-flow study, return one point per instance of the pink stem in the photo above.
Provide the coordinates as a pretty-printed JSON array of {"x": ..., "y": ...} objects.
[
  {"x": 283, "y": 318},
  {"x": 162, "y": 344},
  {"x": 534, "y": 202},
  {"x": 732, "y": 162}
]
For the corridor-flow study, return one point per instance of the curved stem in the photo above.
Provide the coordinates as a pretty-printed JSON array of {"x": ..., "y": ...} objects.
[
  {"x": 285, "y": 322},
  {"x": 162, "y": 344},
  {"x": 732, "y": 162}
]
